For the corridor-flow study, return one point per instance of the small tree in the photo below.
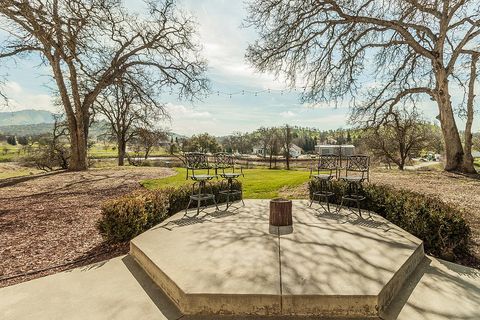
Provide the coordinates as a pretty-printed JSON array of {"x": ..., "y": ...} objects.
[
  {"x": 129, "y": 106},
  {"x": 53, "y": 151},
  {"x": 398, "y": 138},
  {"x": 201, "y": 143},
  {"x": 22, "y": 140},
  {"x": 11, "y": 140},
  {"x": 148, "y": 139},
  {"x": 286, "y": 138}
]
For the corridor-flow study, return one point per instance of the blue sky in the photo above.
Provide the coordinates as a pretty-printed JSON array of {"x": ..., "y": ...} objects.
[{"x": 224, "y": 43}]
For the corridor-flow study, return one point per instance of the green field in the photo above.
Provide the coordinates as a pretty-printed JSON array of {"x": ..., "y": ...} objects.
[
  {"x": 257, "y": 183},
  {"x": 9, "y": 152},
  {"x": 102, "y": 151}
]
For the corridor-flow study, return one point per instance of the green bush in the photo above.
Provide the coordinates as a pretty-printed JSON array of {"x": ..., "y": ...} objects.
[
  {"x": 128, "y": 216},
  {"x": 444, "y": 231}
]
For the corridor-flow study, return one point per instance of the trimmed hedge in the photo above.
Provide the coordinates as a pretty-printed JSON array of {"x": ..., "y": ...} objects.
[
  {"x": 444, "y": 231},
  {"x": 125, "y": 217}
]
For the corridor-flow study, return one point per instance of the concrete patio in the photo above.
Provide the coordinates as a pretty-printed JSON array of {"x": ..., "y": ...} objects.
[{"x": 232, "y": 264}]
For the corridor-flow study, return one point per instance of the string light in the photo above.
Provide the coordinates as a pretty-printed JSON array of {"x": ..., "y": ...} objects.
[{"x": 257, "y": 92}]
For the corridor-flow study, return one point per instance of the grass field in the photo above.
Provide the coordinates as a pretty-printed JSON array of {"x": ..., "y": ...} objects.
[
  {"x": 8, "y": 152},
  {"x": 257, "y": 183},
  {"x": 101, "y": 151}
]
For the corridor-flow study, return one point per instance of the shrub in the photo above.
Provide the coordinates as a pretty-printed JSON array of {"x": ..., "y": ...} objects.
[
  {"x": 128, "y": 216},
  {"x": 441, "y": 227}
]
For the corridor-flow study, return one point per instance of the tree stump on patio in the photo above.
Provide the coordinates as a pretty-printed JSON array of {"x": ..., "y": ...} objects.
[{"x": 280, "y": 212}]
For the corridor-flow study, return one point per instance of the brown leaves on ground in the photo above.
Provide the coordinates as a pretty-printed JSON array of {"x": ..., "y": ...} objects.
[{"x": 48, "y": 220}]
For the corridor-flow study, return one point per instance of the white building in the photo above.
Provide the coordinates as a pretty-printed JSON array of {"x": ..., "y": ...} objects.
[
  {"x": 295, "y": 151},
  {"x": 329, "y": 149},
  {"x": 260, "y": 151}
]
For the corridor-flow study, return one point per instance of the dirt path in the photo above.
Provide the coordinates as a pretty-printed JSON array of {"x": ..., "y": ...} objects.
[{"x": 51, "y": 219}]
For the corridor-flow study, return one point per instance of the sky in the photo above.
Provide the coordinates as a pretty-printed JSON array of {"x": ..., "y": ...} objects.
[{"x": 224, "y": 42}]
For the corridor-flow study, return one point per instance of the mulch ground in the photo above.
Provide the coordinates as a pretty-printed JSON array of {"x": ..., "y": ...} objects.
[{"x": 48, "y": 221}]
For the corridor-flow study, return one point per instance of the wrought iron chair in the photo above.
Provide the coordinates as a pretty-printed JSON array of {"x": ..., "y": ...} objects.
[
  {"x": 328, "y": 163},
  {"x": 195, "y": 161},
  {"x": 360, "y": 165},
  {"x": 324, "y": 188},
  {"x": 225, "y": 161},
  {"x": 354, "y": 188}
]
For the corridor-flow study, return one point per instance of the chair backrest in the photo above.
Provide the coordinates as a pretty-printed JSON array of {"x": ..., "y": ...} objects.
[
  {"x": 358, "y": 163},
  {"x": 224, "y": 160},
  {"x": 328, "y": 162},
  {"x": 196, "y": 160}
]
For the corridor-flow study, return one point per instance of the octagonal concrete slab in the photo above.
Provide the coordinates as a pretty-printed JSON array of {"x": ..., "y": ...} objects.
[{"x": 234, "y": 263}]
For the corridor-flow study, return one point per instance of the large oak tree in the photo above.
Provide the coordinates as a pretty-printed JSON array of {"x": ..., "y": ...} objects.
[
  {"x": 415, "y": 47},
  {"x": 90, "y": 44}
]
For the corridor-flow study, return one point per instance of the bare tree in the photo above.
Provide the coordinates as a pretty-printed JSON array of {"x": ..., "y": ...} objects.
[
  {"x": 91, "y": 44},
  {"x": 129, "y": 109},
  {"x": 415, "y": 46},
  {"x": 404, "y": 133},
  {"x": 286, "y": 138},
  {"x": 148, "y": 139}
]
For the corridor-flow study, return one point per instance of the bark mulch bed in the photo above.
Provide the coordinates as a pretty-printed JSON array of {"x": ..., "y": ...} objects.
[{"x": 48, "y": 222}]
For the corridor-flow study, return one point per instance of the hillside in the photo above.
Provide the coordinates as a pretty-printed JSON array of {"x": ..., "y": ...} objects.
[{"x": 25, "y": 117}]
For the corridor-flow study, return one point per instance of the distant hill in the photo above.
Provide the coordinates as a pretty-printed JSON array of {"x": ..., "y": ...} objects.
[
  {"x": 96, "y": 129},
  {"x": 25, "y": 117}
]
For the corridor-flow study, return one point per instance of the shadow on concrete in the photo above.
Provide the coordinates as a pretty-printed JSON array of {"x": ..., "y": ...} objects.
[
  {"x": 439, "y": 290},
  {"x": 158, "y": 297}
]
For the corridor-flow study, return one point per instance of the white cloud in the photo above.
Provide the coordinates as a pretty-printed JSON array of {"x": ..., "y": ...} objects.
[
  {"x": 178, "y": 111},
  {"x": 20, "y": 99},
  {"x": 288, "y": 114}
]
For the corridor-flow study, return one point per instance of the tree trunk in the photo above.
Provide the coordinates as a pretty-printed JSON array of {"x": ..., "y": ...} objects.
[
  {"x": 121, "y": 147},
  {"x": 467, "y": 156},
  {"x": 78, "y": 148},
  {"x": 453, "y": 145}
]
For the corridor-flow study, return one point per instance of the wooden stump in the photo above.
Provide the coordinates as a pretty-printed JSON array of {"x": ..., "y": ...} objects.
[{"x": 280, "y": 212}]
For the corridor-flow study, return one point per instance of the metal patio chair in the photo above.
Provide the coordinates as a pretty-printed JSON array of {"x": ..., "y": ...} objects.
[
  {"x": 226, "y": 163},
  {"x": 196, "y": 161}
]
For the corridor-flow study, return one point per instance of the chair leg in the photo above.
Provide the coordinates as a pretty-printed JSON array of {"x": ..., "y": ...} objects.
[
  {"x": 359, "y": 209},
  {"x": 228, "y": 201},
  {"x": 188, "y": 205},
  {"x": 215, "y": 201}
]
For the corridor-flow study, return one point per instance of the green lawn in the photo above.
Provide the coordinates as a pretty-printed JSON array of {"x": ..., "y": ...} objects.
[{"x": 257, "y": 183}]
